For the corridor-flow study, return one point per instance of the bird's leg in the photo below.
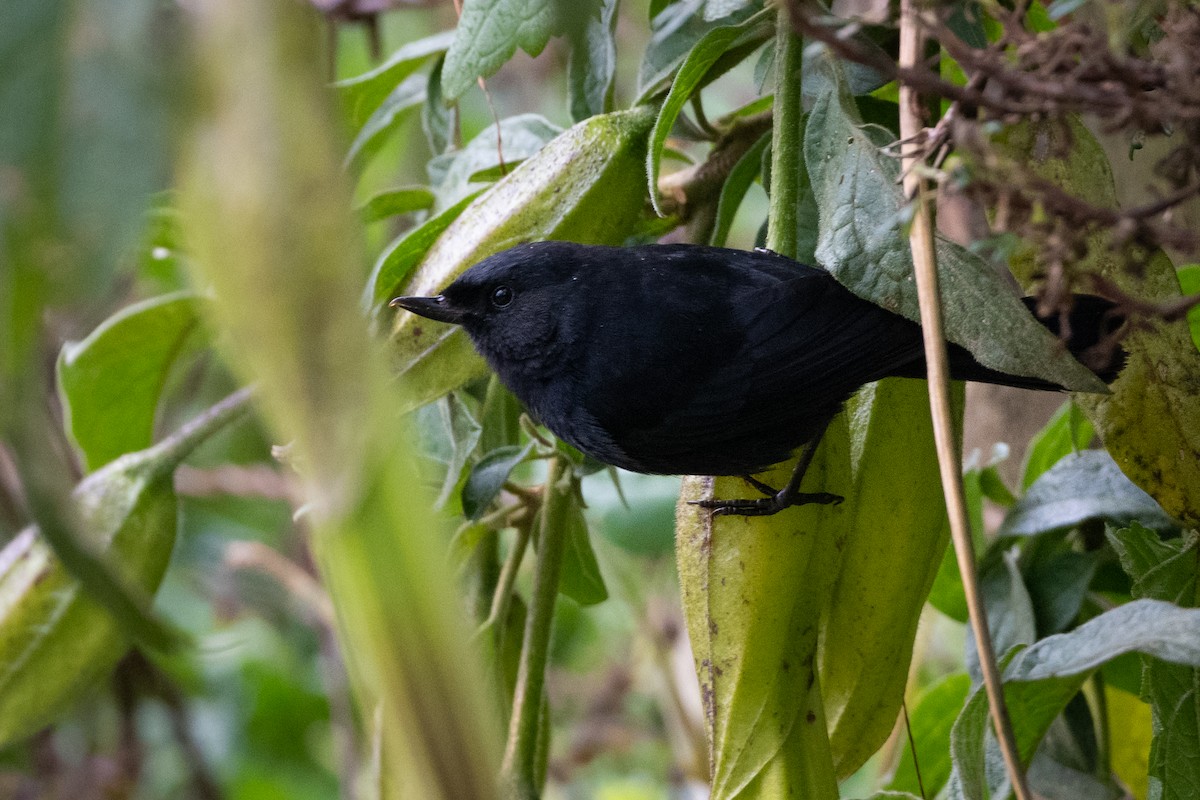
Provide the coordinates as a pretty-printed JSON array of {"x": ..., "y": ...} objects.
[{"x": 776, "y": 500}]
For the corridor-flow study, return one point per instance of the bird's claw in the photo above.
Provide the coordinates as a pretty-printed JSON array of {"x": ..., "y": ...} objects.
[{"x": 766, "y": 506}]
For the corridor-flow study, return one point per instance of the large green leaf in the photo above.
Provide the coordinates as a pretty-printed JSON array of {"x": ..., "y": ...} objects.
[
  {"x": 489, "y": 32},
  {"x": 1040, "y": 680},
  {"x": 1151, "y": 422},
  {"x": 111, "y": 381},
  {"x": 897, "y": 534},
  {"x": 587, "y": 185},
  {"x": 862, "y": 243},
  {"x": 753, "y": 592}
]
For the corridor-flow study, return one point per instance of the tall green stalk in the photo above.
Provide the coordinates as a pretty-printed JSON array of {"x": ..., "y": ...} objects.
[
  {"x": 813, "y": 759},
  {"x": 520, "y": 757}
]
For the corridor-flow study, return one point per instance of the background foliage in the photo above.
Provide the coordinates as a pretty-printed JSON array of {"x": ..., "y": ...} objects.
[{"x": 416, "y": 591}]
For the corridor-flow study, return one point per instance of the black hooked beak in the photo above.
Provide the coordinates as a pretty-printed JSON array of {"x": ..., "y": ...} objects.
[{"x": 437, "y": 308}]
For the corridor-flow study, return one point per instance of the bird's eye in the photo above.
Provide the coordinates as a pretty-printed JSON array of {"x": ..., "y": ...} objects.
[{"x": 501, "y": 296}]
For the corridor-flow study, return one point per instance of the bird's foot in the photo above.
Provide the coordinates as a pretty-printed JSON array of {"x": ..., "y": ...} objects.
[{"x": 775, "y": 501}]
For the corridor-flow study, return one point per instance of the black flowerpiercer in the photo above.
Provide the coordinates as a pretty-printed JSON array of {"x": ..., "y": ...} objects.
[{"x": 686, "y": 359}]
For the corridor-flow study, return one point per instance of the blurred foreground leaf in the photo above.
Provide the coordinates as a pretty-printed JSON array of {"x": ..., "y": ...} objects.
[{"x": 274, "y": 235}]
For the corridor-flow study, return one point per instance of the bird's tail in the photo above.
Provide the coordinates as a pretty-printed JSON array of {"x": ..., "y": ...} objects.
[{"x": 1088, "y": 331}]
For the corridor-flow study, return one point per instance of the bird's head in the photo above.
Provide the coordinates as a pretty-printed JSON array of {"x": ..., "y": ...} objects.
[{"x": 511, "y": 304}]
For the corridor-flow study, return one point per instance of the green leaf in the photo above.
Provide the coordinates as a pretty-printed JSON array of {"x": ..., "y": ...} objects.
[
  {"x": 946, "y": 594},
  {"x": 581, "y": 579},
  {"x": 893, "y": 548},
  {"x": 1151, "y": 421},
  {"x": 592, "y": 64},
  {"x": 403, "y": 254},
  {"x": 1189, "y": 283},
  {"x": 487, "y": 478},
  {"x": 691, "y": 77},
  {"x": 494, "y": 173},
  {"x": 364, "y": 93},
  {"x": 1162, "y": 570},
  {"x": 1151, "y": 627},
  {"x": 673, "y": 34},
  {"x": 452, "y": 433},
  {"x": 488, "y": 33},
  {"x": 1081, "y": 487},
  {"x": 390, "y": 203},
  {"x": 453, "y": 174},
  {"x": 735, "y": 187},
  {"x": 437, "y": 119},
  {"x": 111, "y": 382},
  {"x": 861, "y": 243},
  {"x": 1040, "y": 680},
  {"x": 1130, "y": 751},
  {"x": 405, "y": 99},
  {"x": 57, "y": 638},
  {"x": 753, "y": 592},
  {"x": 587, "y": 185},
  {"x": 1058, "y": 579},
  {"x": 931, "y": 720},
  {"x": 994, "y": 488},
  {"x": 1008, "y": 606},
  {"x": 1166, "y": 570},
  {"x": 1068, "y": 431}
]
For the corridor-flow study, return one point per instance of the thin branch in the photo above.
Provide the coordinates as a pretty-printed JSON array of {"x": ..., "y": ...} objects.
[
  {"x": 925, "y": 267},
  {"x": 520, "y": 756}
]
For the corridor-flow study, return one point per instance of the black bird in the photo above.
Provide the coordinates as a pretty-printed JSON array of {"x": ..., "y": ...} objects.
[{"x": 687, "y": 359}]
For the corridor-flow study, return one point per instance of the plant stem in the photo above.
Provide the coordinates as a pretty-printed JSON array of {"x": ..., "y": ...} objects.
[
  {"x": 813, "y": 775},
  {"x": 502, "y": 598},
  {"x": 520, "y": 756},
  {"x": 925, "y": 267},
  {"x": 787, "y": 138}
]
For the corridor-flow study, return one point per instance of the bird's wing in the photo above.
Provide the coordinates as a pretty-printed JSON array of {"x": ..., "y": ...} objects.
[{"x": 807, "y": 343}]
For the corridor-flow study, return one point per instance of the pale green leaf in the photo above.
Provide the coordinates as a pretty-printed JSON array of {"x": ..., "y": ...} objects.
[
  {"x": 364, "y": 93},
  {"x": 111, "y": 381},
  {"x": 1080, "y": 487},
  {"x": 488, "y": 33}
]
